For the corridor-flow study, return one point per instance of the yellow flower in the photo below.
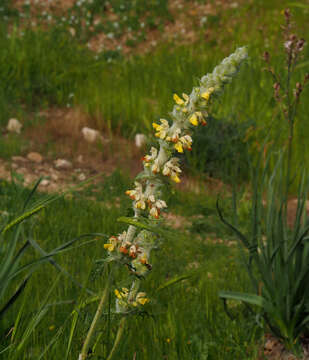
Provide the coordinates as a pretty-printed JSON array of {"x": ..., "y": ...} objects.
[
  {"x": 117, "y": 293},
  {"x": 141, "y": 298},
  {"x": 109, "y": 247},
  {"x": 197, "y": 117},
  {"x": 193, "y": 119},
  {"x": 140, "y": 204},
  {"x": 124, "y": 292},
  {"x": 184, "y": 142},
  {"x": 178, "y": 100},
  {"x": 161, "y": 130},
  {"x": 175, "y": 178},
  {"x": 186, "y": 97},
  {"x": 178, "y": 147},
  {"x": 143, "y": 301},
  {"x": 171, "y": 169},
  {"x": 205, "y": 95}
]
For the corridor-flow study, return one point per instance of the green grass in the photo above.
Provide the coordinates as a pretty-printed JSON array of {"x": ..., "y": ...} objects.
[{"x": 189, "y": 313}]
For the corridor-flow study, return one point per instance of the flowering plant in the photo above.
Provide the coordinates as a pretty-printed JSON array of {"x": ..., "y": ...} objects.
[
  {"x": 278, "y": 252},
  {"x": 133, "y": 248}
]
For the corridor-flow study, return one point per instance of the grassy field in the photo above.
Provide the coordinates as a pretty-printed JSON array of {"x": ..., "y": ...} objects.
[
  {"x": 186, "y": 320},
  {"x": 123, "y": 89}
]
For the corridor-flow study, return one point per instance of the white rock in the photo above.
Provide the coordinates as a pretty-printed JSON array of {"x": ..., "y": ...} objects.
[
  {"x": 81, "y": 177},
  {"x": 72, "y": 31},
  {"x": 91, "y": 135},
  {"x": 44, "y": 182},
  {"x": 35, "y": 157},
  {"x": 14, "y": 126},
  {"x": 140, "y": 140},
  {"x": 62, "y": 164}
]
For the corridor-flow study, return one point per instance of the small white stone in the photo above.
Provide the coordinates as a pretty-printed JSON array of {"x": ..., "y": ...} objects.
[
  {"x": 62, "y": 164},
  {"x": 44, "y": 182},
  {"x": 234, "y": 5},
  {"x": 140, "y": 140},
  {"x": 72, "y": 31},
  {"x": 81, "y": 177},
  {"x": 14, "y": 126},
  {"x": 35, "y": 157},
  {"x": 91, "y": 135}
]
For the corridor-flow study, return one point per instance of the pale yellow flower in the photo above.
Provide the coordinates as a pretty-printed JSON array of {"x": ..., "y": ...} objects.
[
  {"x": 174, "y": 136},
  {"x": 193, "y": 119},
  {"x": 172, "y": 169},
  {"x": 196, "y": 118},
  {"x": 137, "y": 195},
  {"x": 112, "y": 244},
  {"x": 206, "y": 94},
  {"x": 178, "y": 100},
  {"x": 156, "y": 206},
  {"x": 152, "y": 156},
  {"x": 141, "y": 298},
  {"x": 161, "y": 130},
  {"x": 184, "y": 142},
  {"x": 155, "y": 168}
]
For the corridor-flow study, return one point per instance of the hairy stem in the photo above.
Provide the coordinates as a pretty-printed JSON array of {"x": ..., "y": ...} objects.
[
  {"x": 84, "y": 353},
  {"x": 118, "y": 337}
]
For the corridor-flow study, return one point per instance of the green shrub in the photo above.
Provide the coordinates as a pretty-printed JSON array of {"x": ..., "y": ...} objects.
[{"x": 221, "y": 150}]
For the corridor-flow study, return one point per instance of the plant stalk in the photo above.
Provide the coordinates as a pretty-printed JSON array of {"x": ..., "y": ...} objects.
[
  {"x": 118, "y": 337},
  {"x": 84, "y": 353}
]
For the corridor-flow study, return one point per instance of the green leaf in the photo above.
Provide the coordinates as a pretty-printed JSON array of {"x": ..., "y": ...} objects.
[
  {"x": 248, "y": 298},
  {"x": 14, "y": 297},
  {"x": 35, "y": 320},
  {"x": 72, "y": 332},
  {"x": 174, "y": 281}
]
